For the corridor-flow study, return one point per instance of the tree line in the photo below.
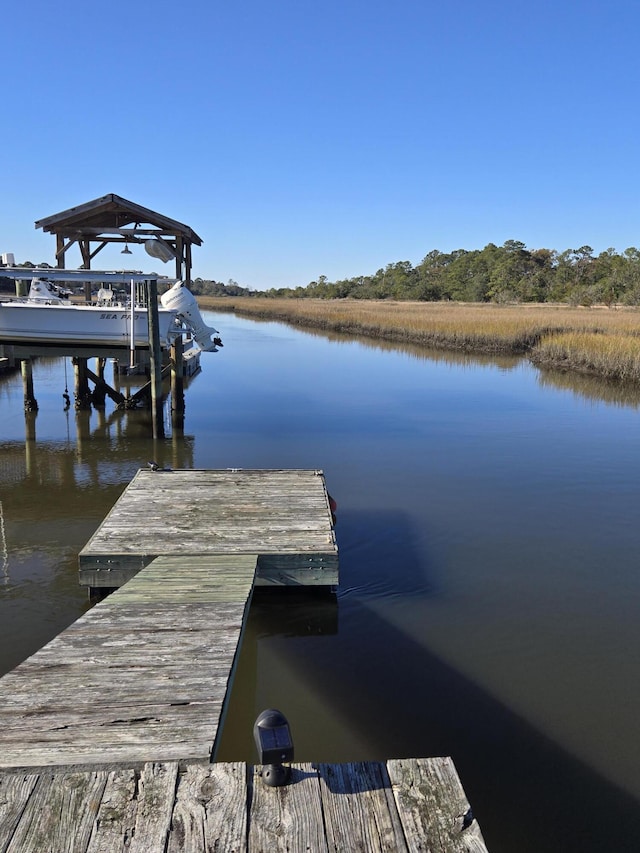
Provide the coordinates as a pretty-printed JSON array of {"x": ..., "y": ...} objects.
[{"x": 507, "y": 273}]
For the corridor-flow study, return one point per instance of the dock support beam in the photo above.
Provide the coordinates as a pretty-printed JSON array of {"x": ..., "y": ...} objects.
[
  {"x": 30, "y": 402},
  {"x": 177, "y": 386},
  {"x": 101, "y": 389},
  {"x": 81, "y": 383},
  {"x": 155, "y": 357}
]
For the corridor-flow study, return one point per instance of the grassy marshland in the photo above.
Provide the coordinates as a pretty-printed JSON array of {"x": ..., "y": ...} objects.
[
  {"x": 598, "y": 340},
  {"x": 613, "y": 355}
]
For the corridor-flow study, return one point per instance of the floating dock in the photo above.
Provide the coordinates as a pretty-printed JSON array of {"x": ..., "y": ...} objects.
[{"x": 282, "y": 516}]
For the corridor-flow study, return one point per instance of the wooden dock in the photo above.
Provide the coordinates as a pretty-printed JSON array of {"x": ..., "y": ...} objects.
[
  {"x": 142, "y": 676},
  {"x": 397, "y": 806},
  {"x": 108, "y": 734},
  {"x": 282, "y": 516}
]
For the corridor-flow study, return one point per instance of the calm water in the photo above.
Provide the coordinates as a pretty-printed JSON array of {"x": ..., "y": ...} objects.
[{"x": 489, "y": 532}]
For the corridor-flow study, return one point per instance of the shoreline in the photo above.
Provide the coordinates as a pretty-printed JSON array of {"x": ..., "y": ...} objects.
[{"x": 597, "y": 341}]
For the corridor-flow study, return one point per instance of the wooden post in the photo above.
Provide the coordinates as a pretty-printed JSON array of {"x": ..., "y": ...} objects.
[
  {"x": 30, "y": 414},
  {"x": 155, "y": 357},
  {"x": 177, "y": 385},
  {"x": 81, "y": 383},
  {"x": 187, "y": 263},
  {"x": 178, "y": 257},
  {"x": 60, "y": 251},
  {"x": 116, "y": 374},
  {"x": 86, "y": 265},
  {"x": 101, "y": 388},
  {"x": 30, "y": 402}
]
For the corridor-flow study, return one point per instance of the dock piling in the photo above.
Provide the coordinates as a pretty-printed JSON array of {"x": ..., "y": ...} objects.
[
  {"x": 26, "y": 369},
  {"x": 155, "y": 356},
  {"x": 81, "y": 391},
  {"x": 177, "y": 385}
]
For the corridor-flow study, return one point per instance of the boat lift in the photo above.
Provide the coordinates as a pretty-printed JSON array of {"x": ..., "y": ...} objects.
[{"x": 149, "y": 283}]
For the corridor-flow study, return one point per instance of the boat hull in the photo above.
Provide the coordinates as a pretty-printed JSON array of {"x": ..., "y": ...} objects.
[{"x": 79, "y": 324}]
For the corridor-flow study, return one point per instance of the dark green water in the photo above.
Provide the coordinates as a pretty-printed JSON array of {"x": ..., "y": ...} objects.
[{"x": 488, "y": 526}]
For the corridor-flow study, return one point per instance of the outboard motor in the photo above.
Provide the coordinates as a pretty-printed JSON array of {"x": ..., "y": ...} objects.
[{"x": 180, "y": 299}]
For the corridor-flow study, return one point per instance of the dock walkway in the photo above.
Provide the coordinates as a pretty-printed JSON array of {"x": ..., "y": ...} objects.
[{"x": 141, "y": 677}]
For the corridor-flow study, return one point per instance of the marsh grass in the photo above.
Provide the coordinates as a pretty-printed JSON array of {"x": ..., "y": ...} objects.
[
  {"x": 614, "y": 355},
  {"x": 601, "y": 341}
]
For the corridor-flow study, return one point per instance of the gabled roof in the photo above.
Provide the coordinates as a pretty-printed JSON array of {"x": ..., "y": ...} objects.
[{"x": 109, "y": 213}]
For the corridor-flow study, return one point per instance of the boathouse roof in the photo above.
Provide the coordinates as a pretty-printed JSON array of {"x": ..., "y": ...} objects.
[{"x": 113, "y": 219}]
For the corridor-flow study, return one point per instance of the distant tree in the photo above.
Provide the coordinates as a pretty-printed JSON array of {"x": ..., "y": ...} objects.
[
  {"x": 507, "y": 273},
  {"x": 431, "y": 277},
  {"x": 631, "y": 273},
  {"x": 468, "y": 276}
]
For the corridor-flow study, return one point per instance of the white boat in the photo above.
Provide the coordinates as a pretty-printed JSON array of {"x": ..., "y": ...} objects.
[{"x": 47, "y": 315}]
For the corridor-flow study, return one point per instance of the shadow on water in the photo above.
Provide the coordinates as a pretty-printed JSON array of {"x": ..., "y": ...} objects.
[
  {"x": 297, "y": 611},
  {"x": 528, "y": 794},
  {"x": 379, "y": 556},
  {"x": 356, "y": 687}
]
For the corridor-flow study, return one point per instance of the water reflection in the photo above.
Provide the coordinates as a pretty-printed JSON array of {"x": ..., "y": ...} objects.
[
  {"x": 422, "y": 353},
  {"x": 488, "y": 539},
  {"x": 4, "y": 551},
  {"x": 61, "y": 471},
  {"x": 592, "y": 388}
]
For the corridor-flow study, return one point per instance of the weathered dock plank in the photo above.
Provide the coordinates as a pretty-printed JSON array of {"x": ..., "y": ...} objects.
[
  {"x": 59, "y": 814},
  {"x": 359, "y": 809},
  {"x": 283, "y": 516},
  {"x": 432, "y": 803},
  {"x": 406, "y": 805},
  {"x": 15, "y": 792},
  {"x": 115, "y": 823},
  {"x": 288, "y": 818},
  {"x": 143, "y": 676},
  {"x": 210, "y": 810}
]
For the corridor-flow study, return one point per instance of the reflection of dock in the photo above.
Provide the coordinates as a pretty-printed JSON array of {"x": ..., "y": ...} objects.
[{"x": 128, "y": 391}]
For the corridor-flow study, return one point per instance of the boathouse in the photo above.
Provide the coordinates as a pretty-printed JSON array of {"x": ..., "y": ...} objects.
[
  {"x": 113, "y": 219},
  {"x": 92, "y": 226}
]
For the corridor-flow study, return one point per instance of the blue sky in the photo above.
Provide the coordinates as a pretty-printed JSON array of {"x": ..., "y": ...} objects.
[{"x": 330, "y": 138}]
